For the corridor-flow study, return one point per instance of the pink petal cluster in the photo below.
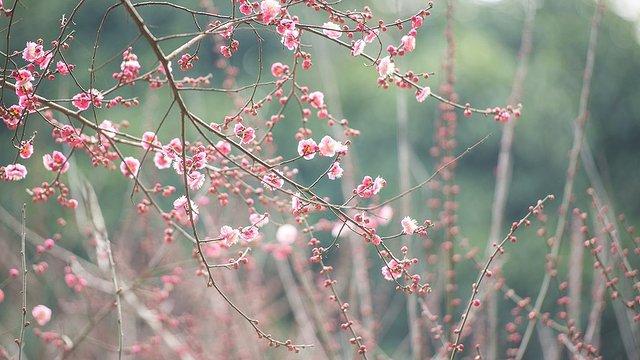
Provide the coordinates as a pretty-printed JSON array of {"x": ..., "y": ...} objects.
[
  {"x": 269, "y": 10},
  {"x": 409, "y": 225},
  {"x": 409, "y": 42},
  {"x": 26, "y": 149},
  {"x": 370, "y": 187},
  {"x": 386, "y": 67},
  {"x": 316, "y": 99},
  {"x": 259, "y": 220},
  {"x": 246, "y": 134},
  {"x": 335, "y": 172},
  {"x": 73, "y": 281},
  {"x": 82, "y": 101},
  {"x": 392, "y": 270},
  {"x": 249, "y": 233},
  {"x": 22, "y": 76},
  {"x": 330, "y": 147},
  {"x": 14, "y": 172},
  {"x": 370, "y": 36},
  {"x": 162, "y": 160},
  {"x": 129, "y": 68},
  {"x": 358, "y": 47},
  {"x": 149, "y": 140},
  {"x": 41, "y": 314},
  {"x": 108, "y": 129},
  {"x": 64, "y": 68},
  {"x": 223, "y": 148},
  {"x": 278, "y": 69},
  {"x": 307, "y": 148},
  {"x": 290, "y": 35},
  {"x": 32, "y": 52},
  {"x": 229, "y": 235},
  {"x": 195, "y": 180},
  {"x": 181, "y": 207},
  {"x": 332, "y": 30},
  {"x": 423, "y": 94},
  {"x": 129, "y": 167},
  {"x": 272, "y": 180},
  {"x": 12, "y": 117},
  {"x": 35, "y": 53},
  {"x": 56, "y": 162}
]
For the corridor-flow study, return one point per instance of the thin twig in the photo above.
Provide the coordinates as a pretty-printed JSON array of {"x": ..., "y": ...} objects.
[
  {"x": 475, "y": 288},
  {"x": 23, "y": 292},
  {"x": 504, "y": 167},
  {"x": 578, "y": 138}
]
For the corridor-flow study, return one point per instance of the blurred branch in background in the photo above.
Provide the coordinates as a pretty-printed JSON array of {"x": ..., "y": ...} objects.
[
  {"x": 578, "y": 139},
  {"x": 504, "y": 169}
]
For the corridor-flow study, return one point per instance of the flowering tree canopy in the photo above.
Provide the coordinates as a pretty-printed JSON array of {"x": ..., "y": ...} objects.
[{"x": 223, "y": 181}]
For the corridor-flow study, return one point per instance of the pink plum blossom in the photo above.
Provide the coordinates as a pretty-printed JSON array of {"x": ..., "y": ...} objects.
[
  {"x": 181, "y": 207},
  {"x": 332, "y": 30},
  {"x": 63, "y": 68},
  {"x": 330, "y": 147},
  {"x": 245, "y": 9},
  {"x": 316, "y": 99},
  {"x": 358, "y": 47},
  {"x": 223, "y": 147},
  {"x": 44, "y": 61},
  {"x": 423, "y": 94},
  {"x": 14, "y": 172},
  {"x": 149, "y": 139},
  {"x": 129, "y": 68},
  {"x": 22, "y": 76},
  {"x": 272, "y": 180},
  {"x": 307, "y": 148},
  {"x": 370, "y": 187},
  {"x": 291, "y": 39},
  {"x": 269, "y": 9},
  {"x": 408, "y": 43},
  {"x": 107, "y": 129},
  {"x": 278, "y": 69},
  {"x": 195, "y": 180},
  {"x": 32, "y": 52},
  {"x": 335, "y": 172},
  {"x": 409, "y": 225},
  {"x": 259, "y": 220},
  {"x": 161, "y": 160},
  {"x": 386, "y": 67},
  {"x": 41, "y": 314},
  {"x": 370, "y": 36},
  {"x": 26, "y": 149},
  {"x": 229, "y": 235},
  {"x": 246, "y": 134},
  {"x": 392, "y": 271},
  {"x": 82, "y": 101},
  {"x": 56, "y": 161},
  {"x": 249, "y": 233},
  {"x": 130, "y": 167}
]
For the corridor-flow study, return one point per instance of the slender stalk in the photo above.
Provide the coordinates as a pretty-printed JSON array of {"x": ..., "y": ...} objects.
[
  {"x": 578, "y": 138},
  {"x": 117, "y": 290},
  {"x": 576, "y": 269},
  {"x": 475, "y": 288},
  {"x": 504, "y": 167},
  {"x": 23, "y": 292}
]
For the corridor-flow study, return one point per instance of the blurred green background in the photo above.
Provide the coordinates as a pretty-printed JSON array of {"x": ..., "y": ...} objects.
[{"x": 488, "y": 38}]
